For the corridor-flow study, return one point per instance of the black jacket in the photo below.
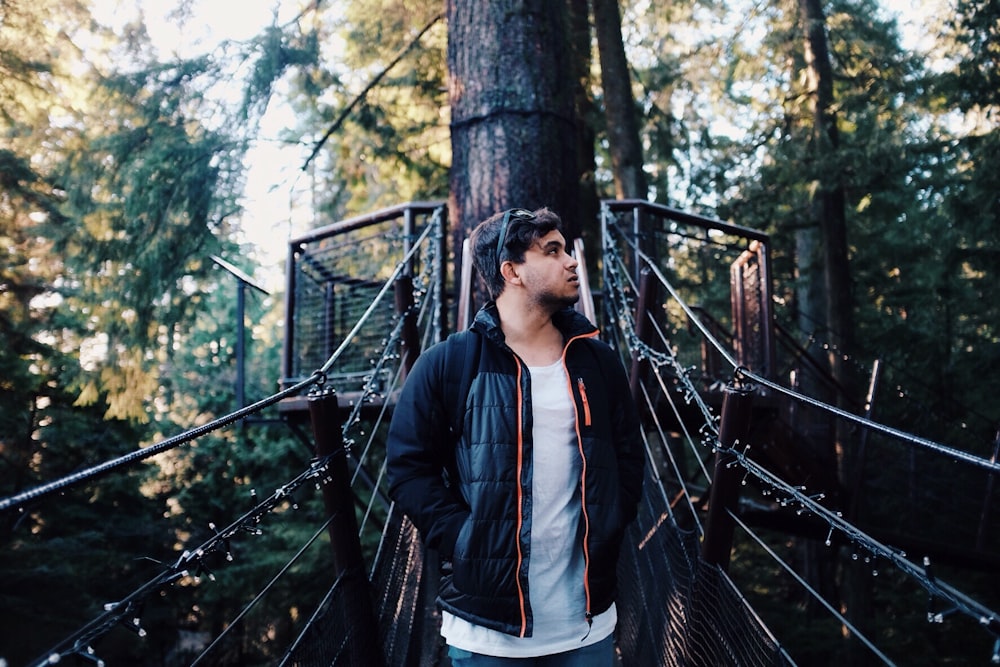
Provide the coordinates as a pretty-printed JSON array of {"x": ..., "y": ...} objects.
[{"x": 471, "y": 500}]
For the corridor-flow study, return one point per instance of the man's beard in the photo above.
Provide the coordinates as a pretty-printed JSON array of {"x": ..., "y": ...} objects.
[{"x": 556, "y": 302}]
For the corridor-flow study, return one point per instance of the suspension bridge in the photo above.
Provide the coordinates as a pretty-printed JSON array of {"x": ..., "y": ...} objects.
[{"x": 748, "y": 444}]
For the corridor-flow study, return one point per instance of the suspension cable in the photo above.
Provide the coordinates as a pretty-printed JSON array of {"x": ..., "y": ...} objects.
[
  {"x": 20, "y": 499},
  {"x": 794, "y": 495},
  {"x": 938, "y": 448},
  {"x": 267, "y": 587},
  {"x": 127, "y": 611},
  {"x": 812, "y": 591},
  {"x": 317, "y": 377}
]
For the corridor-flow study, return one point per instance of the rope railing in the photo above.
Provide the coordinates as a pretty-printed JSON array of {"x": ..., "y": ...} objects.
[
  {"x": 19, "y": 500},
  {"x": 929, "y": 445},
  {"x": 127, "y": 611},
  {"x": 318, "y": 377},
  {"x": 688, "y": 634},
  {"x": 619, "y": 284}
]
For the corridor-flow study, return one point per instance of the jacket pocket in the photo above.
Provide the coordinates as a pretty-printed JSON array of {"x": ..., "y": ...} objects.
[{"x": 460, "y": 566}]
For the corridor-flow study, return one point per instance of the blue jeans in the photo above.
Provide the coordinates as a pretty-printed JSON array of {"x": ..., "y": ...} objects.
[{"x": 601, "y": 654}]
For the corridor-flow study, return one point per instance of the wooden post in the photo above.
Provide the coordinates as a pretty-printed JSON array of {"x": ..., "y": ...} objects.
[
  {"x": 337, "y": 495},
  {"x": 409, "y": 342},
  {"x": 643, "y": 329},
  {"x": 725, "y": 492},
  {"x": 288, "y": 346},
  {"x": 353, "y": 603}
]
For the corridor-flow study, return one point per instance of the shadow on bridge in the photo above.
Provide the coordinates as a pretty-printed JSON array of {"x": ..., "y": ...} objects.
[{"x": 733, "y": 450}]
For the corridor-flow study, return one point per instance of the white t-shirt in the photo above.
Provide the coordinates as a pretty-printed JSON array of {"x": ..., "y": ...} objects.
[{"x": 556, "y": 565}]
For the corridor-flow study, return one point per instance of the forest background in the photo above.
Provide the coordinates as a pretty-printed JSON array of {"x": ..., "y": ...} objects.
[{"x": 123, "y": 169}]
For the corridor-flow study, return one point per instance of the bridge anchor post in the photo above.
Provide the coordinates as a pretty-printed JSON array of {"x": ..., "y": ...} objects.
[
  {"x": 724, "y": 494},
  {"x": 409, "y": 343},
  {"x": 354, "y": 604},
  {"x": 643, "y": 329}
]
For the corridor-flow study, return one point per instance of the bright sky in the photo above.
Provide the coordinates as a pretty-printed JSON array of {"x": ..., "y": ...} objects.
[{"x": 276, "y": 197}]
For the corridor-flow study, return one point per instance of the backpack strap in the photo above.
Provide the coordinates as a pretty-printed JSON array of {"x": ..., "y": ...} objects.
[{"x": 462, "y": 347}]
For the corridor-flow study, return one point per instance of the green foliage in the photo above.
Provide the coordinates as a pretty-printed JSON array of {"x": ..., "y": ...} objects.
[
  {"x": 151, "y": 189},
  {"x": 972, "y": 35},
  {"x": 113, "y": 194},
  {"x": 278, "y": 51},
  {"x": 393, "y": 146},
  {"x": 121, "y": 175}
]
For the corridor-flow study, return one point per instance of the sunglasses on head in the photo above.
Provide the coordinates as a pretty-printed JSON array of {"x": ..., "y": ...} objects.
[{"x": 516, "y": 214}]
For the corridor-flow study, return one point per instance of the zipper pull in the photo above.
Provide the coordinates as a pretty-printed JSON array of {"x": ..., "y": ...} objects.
[
  {"x": 586, "y": 402},
  {"x": 590, "y": 624}
]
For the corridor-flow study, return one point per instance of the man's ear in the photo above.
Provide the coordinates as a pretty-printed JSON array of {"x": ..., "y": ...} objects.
[{"x": 510, "y": 273}]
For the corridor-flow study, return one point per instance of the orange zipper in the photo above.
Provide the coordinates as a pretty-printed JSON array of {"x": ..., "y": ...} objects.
[
  {"x": 585, "y": 515},
  {"x": 583, "y": 473},
  {"x": 520, "y": 501},
  {"x": 586, "y": 403}
]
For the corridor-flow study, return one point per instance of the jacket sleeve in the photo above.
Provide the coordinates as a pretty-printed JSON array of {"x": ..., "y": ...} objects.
[
  {"x": 420, "y": 449},
  {"x": 628, "y": 440}
]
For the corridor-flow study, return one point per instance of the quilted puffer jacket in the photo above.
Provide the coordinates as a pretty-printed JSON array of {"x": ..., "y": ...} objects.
[{"x": 471, "y": 499}]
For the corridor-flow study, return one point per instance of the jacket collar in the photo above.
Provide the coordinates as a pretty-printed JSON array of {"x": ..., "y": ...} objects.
[{"x": 570, "y": 322}]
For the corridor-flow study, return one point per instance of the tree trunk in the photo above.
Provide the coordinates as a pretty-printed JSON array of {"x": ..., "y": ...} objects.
[
  {"x": 513, "y": 127},
  {"x": 586, "y": 134},
  {"x": 828, "y": 199},
  {"x": 619, "y": 105},
  {"x": 829, "y": 212}
]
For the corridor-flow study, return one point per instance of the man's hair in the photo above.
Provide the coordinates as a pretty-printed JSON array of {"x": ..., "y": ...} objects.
[{"x": 522, "y": 230}]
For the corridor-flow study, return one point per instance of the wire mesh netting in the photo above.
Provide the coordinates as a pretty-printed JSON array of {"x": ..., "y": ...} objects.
[
  {"x": 335, "y": 275},
  {"x": 336, "y": 281},
  {"x": 339, "y": 634},
  {"x": 407, "y": 622},
  {"x": 676, "y": 610}
]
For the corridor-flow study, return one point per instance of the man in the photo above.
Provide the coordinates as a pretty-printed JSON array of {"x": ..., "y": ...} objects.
[{"x": 525, "y": 494}]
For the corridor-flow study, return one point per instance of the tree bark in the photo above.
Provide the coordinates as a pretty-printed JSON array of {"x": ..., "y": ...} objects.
[
  {"x": 619, "y": 104},
  {"x": 586, "y": 134},
  {"x": 513, "y": 126},
  {"x": 828, "y": 199},
  {"x": 828, "y": 207}
]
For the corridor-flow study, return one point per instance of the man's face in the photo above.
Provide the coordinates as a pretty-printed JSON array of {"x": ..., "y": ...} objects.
[{"x": 549, "y": 272}]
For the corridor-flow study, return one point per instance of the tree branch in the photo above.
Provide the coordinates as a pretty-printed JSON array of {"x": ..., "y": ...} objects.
[{"x": 374, "y": 82}]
